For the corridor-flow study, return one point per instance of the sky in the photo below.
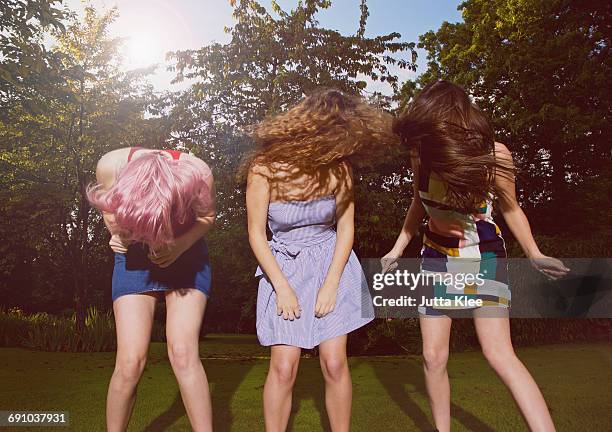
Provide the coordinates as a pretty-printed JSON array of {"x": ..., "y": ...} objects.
[{"x": 153, "y": 27}]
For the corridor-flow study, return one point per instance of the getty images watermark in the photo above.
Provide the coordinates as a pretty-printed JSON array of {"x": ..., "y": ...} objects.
[
  {"x": 454, "y": 282},
  {"x": 463, "y": 285}
]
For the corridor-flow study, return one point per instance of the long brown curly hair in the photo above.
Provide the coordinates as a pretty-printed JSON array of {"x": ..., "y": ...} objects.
[
  {"x": 325, "y": 127},
  {"x": 453, "y": 139}
]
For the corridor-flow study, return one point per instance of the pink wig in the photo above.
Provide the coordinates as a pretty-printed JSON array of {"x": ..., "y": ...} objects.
[{"x": 154, "y": 195}]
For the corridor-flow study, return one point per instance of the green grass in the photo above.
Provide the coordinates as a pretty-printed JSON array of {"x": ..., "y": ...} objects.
[{"x": 389, "y": 392}]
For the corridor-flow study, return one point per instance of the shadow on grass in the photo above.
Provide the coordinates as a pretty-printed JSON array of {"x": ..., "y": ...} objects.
[
  {"x": 402, "y": 379},
  {"x": 395, "y": 376},
  {"x": 168, "y": 417},
  {"x": 309, "y": 384},
  {"x": 224, "y": 378}
]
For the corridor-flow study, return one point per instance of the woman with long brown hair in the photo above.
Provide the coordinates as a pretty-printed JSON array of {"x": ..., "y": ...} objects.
[
  {"x": 458, "y": 168},
  {"x": 312, "y": 290}
]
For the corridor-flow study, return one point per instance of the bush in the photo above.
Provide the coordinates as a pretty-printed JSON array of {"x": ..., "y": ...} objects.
[
  {"x": 46, "y": 332},
  {"x": 403, "y": 335},
  {"x": 99, "y": 332},
  {"x": 13, "y": 327},
  {"x": 393, "y": 336},
  {"x": 49, "y": 333},
  {"x": 567, "y": 246}
]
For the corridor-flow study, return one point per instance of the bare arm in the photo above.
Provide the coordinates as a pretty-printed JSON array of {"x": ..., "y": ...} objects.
[
  {"x": 509, "y": 208},
  {"x": 345, "y": 233},
  {"x": 345, "y": 225},
  {"x": 105, "y": 177},
  {"x": 517, "y": 221},
  {"x": 257, "y": 201},
  {"x": 106, "y": 173},
  {"x": 206, "y": 218},
  {"x": 204, "y": 221},
  {"x": 412, "y": 221}
]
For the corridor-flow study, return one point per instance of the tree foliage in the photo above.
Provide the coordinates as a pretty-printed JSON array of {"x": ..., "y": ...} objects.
[
  {"x": 540, "y": 69},
  {"x": 23, "y": 56},
  {"x": 271, "y": 62},
  {"x": 273, "y": 58},
  {"x": 50, "y": 140}
]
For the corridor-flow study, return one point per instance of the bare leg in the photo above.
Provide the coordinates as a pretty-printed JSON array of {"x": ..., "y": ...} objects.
[
  {"x": 338, "y": 387},
  {"x": 133, "y": 320},
  {"x": 435, "y": 331},
  {"x": 185, "y": 312},
  {"x": 278, "y": 389},
  {"x": 494, "y": 336}
]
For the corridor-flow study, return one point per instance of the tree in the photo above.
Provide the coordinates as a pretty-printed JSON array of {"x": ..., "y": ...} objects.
[
  {"x": 50, "y": 143},
  {"x": 24, "y": 56},
  {"x": 271, "y": 61},
  {"x": 269, "y": 64},
  {"x": 540, "y": 69}
]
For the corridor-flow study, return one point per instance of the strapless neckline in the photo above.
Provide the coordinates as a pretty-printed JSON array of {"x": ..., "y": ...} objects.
[{"x": 302, "y": 202}]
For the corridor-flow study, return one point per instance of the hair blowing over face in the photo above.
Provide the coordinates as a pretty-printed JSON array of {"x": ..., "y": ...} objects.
[
  {"x": 454, "y": 140},
  {"x": 152, "y": 195},
  {"x": 325, "y": 127}
]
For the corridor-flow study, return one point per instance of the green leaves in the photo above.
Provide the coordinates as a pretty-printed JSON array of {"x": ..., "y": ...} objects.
[
  {"x": 271, "y": 62},
  {"x": 539, "y": 69},
  {"x": 56, "y": 123},
  {"x": 23, "y": 54}
]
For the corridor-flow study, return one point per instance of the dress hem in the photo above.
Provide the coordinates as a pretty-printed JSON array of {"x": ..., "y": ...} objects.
[{"x": 300, "y": 343}]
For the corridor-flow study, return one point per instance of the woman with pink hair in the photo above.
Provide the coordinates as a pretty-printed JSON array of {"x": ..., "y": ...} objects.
[{"x": 157, "y": 206}]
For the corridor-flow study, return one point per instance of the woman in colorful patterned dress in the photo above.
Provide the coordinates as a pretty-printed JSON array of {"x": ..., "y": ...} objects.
[
  {"x": 312, "y": 290},
  {"x": 457, "y": 168},
  {"x": 157, "y": 206}
]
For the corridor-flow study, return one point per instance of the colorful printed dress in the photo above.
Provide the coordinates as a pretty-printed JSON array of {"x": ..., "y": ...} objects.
[
  {"x": 455, "y": 243},
  {"x": 303, "y": 243}
]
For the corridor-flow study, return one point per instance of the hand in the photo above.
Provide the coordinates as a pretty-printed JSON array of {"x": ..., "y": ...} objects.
[
  {"x": 166, "y": 255},
  {"x": 287, "y": 303},
  {"x": 553, "y": 268},
  {"x": 326, "y": 299},
  {"x": 389, "y": 261},
  {"x": 119, "y": 245}
]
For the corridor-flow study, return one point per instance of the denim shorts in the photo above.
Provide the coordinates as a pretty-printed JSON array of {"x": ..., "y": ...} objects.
[{"x": 134, "y": 273}]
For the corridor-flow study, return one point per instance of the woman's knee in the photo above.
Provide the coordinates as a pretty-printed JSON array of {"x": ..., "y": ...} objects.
[
  {"x": 129, "y": 367},
  {"x": 435, "y": 359},
  {"x": 499, "y": 356},
  {"x": 284, "y": 371},
  {"x": 334, "y": 368},
  {"x": 183, "y": 355}
]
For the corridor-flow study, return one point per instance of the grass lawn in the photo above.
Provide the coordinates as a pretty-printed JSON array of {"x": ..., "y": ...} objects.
[{"x": 389, "y": 393}]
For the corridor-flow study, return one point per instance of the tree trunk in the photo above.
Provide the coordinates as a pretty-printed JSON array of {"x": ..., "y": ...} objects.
[
  {"x": 82, "y": 243},
  {"x": 82, "y": 279}
]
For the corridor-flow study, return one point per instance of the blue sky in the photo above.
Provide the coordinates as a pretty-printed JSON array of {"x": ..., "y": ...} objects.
[{"x": 153, "y": 27}]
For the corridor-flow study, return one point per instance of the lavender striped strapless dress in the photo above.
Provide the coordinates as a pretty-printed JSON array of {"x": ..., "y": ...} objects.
[{"x": 303, "y": 243}]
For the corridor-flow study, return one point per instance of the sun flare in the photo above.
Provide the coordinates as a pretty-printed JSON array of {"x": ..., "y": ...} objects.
[{"x": 142, "y": 50}]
